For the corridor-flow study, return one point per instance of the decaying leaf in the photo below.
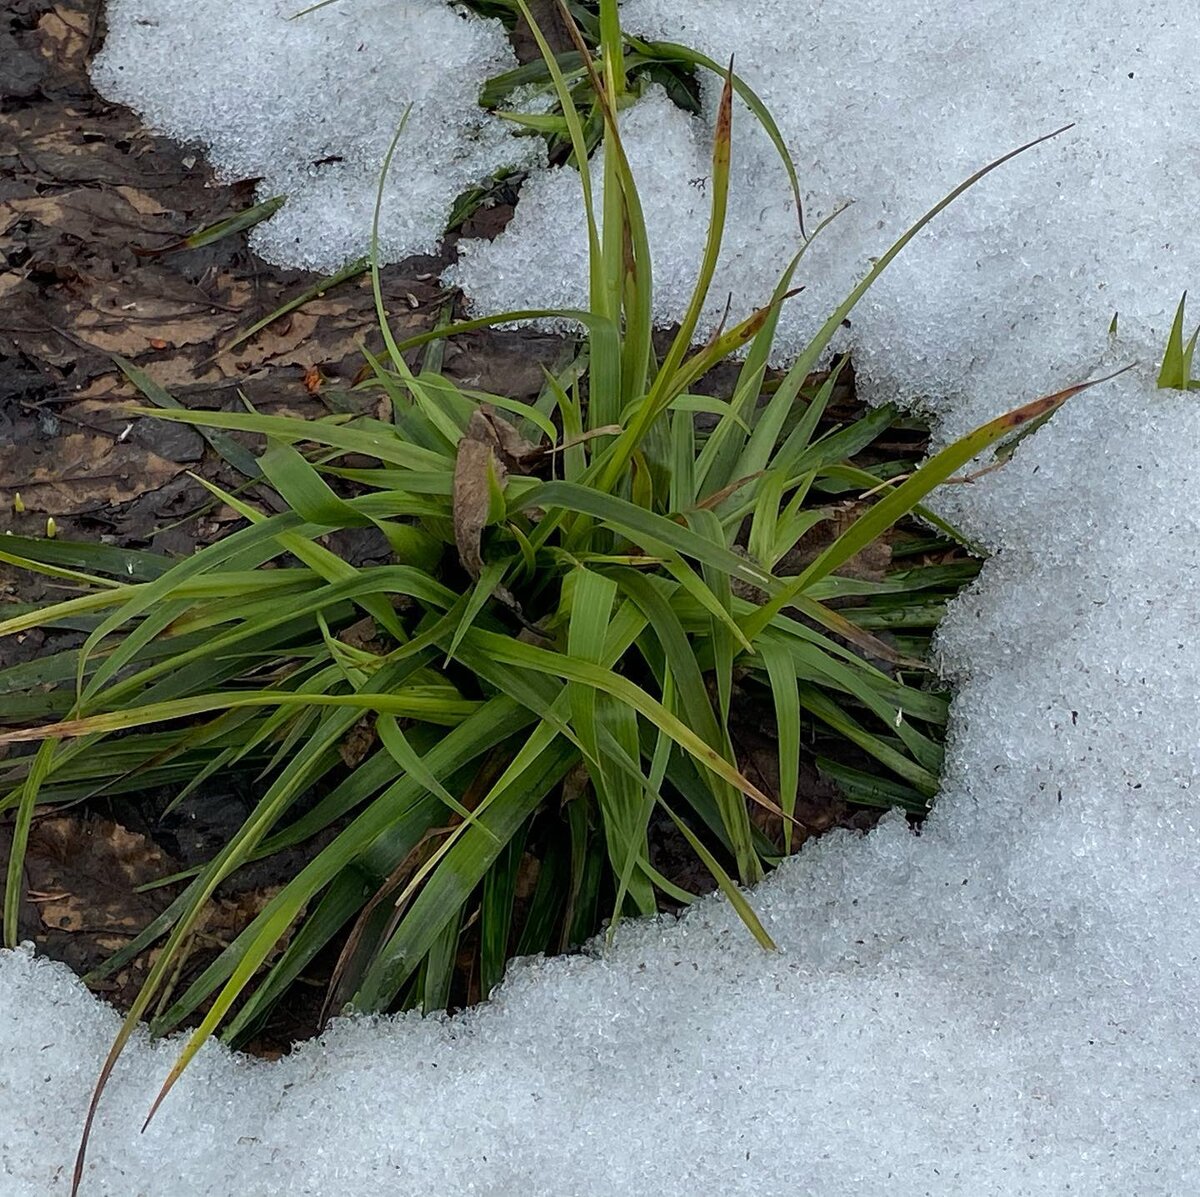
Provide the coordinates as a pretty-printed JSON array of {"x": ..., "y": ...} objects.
[
  {"x": 489, "y": 450},
  {"x": 82, "y": 875},
  {"x": 869, "y": 566},
  {"x": 141, "y": 202},
  {"x": 518, "y": 455},
  {"x": 84, "y": 472},
  {"x": 355, "y": 746},
  {"x": 477, "y": 471},
  {"x": 65, "y": 37}
]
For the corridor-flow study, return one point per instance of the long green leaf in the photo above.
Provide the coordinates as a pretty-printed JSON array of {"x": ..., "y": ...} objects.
[{"x": 898, "y": 502}]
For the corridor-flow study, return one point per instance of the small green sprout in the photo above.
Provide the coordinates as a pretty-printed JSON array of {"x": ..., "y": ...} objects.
[{"x": 1176, "y": 372}]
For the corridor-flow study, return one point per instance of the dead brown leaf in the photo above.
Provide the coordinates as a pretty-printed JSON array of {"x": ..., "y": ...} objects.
[
  {"x": 84, "y": 209},
  {"x": 141, "y": 202},
  {"x": 131, "y": 330},
  {"x": 65, "y": 38},
  {"x": 868, "y": 566},
  {"x": 223, "y": 919},
  {"x": 477, "y": 469},
  {"x": 85, "y": 472},
  {"x": 489, "y": 450},
  {"x": 82, "y": 874},
  {"x": 355, "y": 746},
  {"x": 515, "y": 451}
]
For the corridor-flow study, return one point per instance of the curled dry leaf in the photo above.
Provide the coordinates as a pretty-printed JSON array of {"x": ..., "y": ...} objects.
[
  {"x": 518, "y": 455},
  {"x": 477, "y": 470},
  {"x": 489, "y": 450}
]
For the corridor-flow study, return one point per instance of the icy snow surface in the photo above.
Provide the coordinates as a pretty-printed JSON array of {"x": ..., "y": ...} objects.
[
  {"x": 310, "y": 106},
  {"x": 1006, "y": 1004},
  {"x": 888, "y": 104}
]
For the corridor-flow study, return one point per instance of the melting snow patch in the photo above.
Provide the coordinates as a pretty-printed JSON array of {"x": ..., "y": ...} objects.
[
  {"x": 887, "y": 105},
  {"x": 1004, "y": 1004},
  {"x": 310, "y": 105}
]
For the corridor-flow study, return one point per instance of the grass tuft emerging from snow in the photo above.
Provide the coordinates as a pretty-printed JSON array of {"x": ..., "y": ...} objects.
[{"x": 1005, "y": 1004}]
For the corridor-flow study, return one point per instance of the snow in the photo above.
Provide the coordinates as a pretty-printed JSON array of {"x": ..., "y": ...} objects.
[
  {"x": 887, "y": 106},
  {"x": 1006, "y": 1003},
  {"x": 310, "y": 105}
]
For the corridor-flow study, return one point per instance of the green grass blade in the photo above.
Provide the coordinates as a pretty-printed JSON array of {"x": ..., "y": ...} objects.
[
  {"x": 671, "y": 51},
  {"x": 725, "y": 883},
  {"x": 14, "y": 885},
  {"x": 460, "y": 870},
  {"x": 722, "y": 150},
  {"x": 1176, "y": 371},
  {"x": 785, "y": 697},
  {"x": 496, "y": 912},
  {"x": 898, "y": 502},
  {"x": 226, "y": 447}
]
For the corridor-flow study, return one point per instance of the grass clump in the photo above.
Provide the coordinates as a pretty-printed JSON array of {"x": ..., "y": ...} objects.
[{"x": 580, "y": 590}]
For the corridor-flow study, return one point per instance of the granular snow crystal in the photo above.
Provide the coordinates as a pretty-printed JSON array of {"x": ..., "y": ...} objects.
[
  {"x": 309, "y": 104},
  {"x": 1005, "y": 1003}
]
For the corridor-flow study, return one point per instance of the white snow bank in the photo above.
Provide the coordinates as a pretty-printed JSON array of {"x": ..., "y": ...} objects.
[
  {"x": 890, "y": 104},
  {"x": 311, "y": 104},
  {"x": 1005, "y": 1004}
]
